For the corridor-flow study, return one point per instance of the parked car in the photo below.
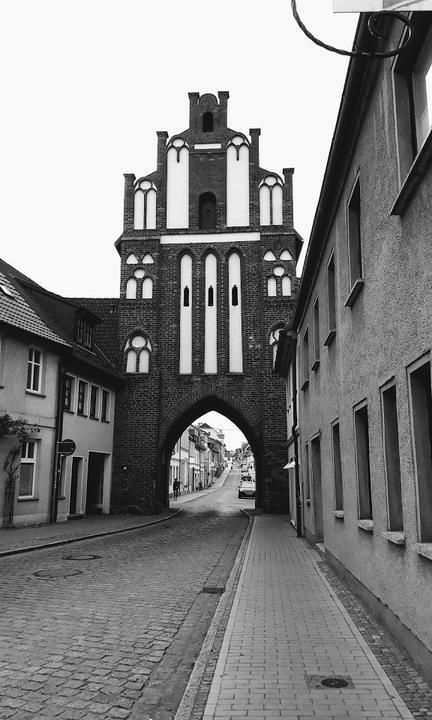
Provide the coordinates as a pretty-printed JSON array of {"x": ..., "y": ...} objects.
[{"x": 247, "y": 487}]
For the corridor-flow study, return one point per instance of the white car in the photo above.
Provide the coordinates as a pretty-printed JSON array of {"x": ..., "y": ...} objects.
[{"x": 247, "y": 487}]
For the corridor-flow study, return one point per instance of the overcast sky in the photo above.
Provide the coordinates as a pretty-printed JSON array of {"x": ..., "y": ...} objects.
[{"x": 86, "y": 85}]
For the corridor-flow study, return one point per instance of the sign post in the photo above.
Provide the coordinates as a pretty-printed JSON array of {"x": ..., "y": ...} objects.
[{"x": 66, "y": 447}]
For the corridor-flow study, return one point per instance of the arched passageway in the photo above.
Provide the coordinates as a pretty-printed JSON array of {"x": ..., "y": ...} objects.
[{"x": 188, "y": 417}]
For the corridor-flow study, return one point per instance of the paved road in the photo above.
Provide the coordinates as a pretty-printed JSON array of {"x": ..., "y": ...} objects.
[{"x": 110, "y": 628}]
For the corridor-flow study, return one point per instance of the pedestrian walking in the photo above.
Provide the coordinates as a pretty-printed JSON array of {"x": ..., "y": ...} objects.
[{"x": 176, "y": 488}]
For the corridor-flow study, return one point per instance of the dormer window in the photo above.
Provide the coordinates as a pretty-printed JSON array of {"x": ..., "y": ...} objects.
[
  {"x": 84, "y": 333},
  {"x": 207, "y": 122}
]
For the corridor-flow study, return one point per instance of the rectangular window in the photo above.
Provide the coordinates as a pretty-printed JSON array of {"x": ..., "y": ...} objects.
[
  {"x": 27, "y": 470},
  {"x": 69, "y": 390},
  {"x": 105, "y": 412},
  {"x": 391, "y": 457},
  {"x": 421, "y": 424},
  {"x": 84, "y": 333},
  {"x": 337, "y": 467},
  {"x": 94, "y": 401},
  {"x": 82, "y": 397},
  {"x": 316, "y": 335},
  {"x": 361, "y": 428},
  {"x": 354, "y": 234},
  {"x": 34, "y": 367},
  {"x": 331, "y": 301},
  {"x": 413, "y": 93},
  {"x": 305, "y": 359}
]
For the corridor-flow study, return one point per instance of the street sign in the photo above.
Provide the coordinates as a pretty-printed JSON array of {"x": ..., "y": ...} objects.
[
  {"x": 352, "y": 6},
  {"x": 66, "y": 447}
]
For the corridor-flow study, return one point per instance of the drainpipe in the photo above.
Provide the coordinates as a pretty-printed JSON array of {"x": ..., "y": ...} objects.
[
  {"x": 58, "y": 432},
  {"x": 295, "y": 434}
]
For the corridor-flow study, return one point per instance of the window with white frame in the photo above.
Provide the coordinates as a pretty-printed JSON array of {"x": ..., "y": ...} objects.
[
  {"x": 82, "y": 397},
  {"x": 26, "y": 486},
  {"x": 138, "y": 349},
  {"x": 94, "y": 401},
  {"x": 69, "y": 392},
  {"x": 34, "y": 370},
  {"x": 105, "y": 409}
]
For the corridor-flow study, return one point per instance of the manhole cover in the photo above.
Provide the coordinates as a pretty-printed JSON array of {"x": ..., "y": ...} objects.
[
  {"x": 334, "y": 682},
  {"x": 54, "y": 573},
  {"x": 81, "y": 556},
  {"x": 213, "y": 590}
]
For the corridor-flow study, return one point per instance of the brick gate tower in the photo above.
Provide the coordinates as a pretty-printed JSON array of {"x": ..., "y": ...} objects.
[{"x": 208, "y": 256}]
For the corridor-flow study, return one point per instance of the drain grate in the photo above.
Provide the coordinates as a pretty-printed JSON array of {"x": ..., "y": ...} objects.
[
  {"x": 81, "y": 556},
  {"x": 55, "y": 573},
  {"x": 332, "y": 682},
  {"x": 213, "y": 590}
]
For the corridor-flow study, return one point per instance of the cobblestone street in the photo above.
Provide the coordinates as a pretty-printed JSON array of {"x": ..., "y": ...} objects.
[{"x": 84, "y": 628}]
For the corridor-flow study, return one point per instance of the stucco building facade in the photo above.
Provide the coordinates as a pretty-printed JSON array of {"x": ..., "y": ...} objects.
[{"x": 361, "y": 348}]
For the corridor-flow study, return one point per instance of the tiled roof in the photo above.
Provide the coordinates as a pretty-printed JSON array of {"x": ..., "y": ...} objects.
[
  {"x": 17, "y": 311},
  {"x": 106, "y": 334},
  {"x": 28, "y": 306}
]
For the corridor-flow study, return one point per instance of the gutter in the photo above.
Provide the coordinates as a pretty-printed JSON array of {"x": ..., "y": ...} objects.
[{"x": 55, "y": 472}]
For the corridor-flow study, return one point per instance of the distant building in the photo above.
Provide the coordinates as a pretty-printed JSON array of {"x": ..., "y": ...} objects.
[{"x": 357, "y": 358}]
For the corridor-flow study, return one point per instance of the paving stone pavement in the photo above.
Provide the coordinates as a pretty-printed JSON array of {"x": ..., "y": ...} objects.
[
  {"x": 286, "y": 631},
  {"x": 85, "y": 637}
]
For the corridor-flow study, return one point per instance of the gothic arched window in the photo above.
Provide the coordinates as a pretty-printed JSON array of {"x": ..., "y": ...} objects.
[
  {"x": 207, "y": 211},
  {"x": 207, "y": 122},
  {"x": 138, "y": 349}
]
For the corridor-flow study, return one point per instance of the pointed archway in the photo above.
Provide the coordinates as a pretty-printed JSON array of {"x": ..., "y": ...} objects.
[{"x": 186, "y": 418}]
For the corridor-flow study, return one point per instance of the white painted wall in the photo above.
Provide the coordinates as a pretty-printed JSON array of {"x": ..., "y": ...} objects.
[
  {"x": 210, "y": 343},
  {"x": 178, "y": 187},
  {"x": 151, "y": 210},
  {"x": 276, "y": 205},
  {"x": 185, "y": 360},
  {"x": 235, "y": 320},
  {"x": 264, "y": 198},
  {"x": 237, "y": 184},
  {"x": 139, "y": 210}
]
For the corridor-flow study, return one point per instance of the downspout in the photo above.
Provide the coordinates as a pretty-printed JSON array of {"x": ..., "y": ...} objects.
[
  {"x": 58, "y": 432},
  {"x": 295, "y": 434}
]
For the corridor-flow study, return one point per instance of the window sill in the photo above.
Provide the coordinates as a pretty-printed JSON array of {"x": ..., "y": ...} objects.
[
  {"x": 354, "y": 292},
  {"x": 71, "y": 412},
  {"x": 415, "y": 175},
  {"x": 305, "y": 384},
  {"x": 93, "y": 417},
  {"x": 396, "y": 537},
  {"x": 35, "y": 392},
  {"x": 366, "y": 525},
  {"x": 330, "y": 337},
  {"x": 28, "y": 499},
  {"x": 338, "y": 514},
  {"x": 83, "y": 415},
  {"x": 315, "y": 365},
  {"x": 105, "y": 421},
  {"x": 424, "y": 549}
]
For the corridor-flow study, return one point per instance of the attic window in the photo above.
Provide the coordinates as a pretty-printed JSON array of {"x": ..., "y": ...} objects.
[
  {"x": 5, "y": 290},
  {"x": 207, "y": 122},
  {"x": 84, "y": 333}
]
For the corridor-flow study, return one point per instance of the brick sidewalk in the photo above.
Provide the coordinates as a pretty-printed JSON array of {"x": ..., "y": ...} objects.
[{"x": 286, "y": 632}]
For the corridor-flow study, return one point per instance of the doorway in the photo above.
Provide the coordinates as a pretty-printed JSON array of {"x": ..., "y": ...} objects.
[
  {"x": 317, "y": 489},
  {"x": 95, "y": 481},
  {"x": 76, "y": 476}
]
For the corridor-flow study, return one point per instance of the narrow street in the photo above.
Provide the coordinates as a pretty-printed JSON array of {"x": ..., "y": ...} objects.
[{"x": 90, "y": 629}]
